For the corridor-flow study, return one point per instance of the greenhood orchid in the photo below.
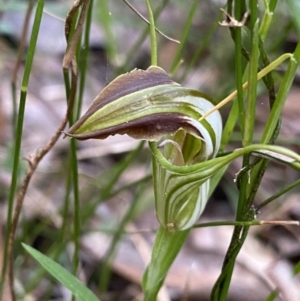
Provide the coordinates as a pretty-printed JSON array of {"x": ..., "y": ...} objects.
[{"x": 149, "y": 105}]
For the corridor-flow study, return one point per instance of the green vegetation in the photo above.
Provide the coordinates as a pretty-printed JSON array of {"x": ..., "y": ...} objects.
[{"x": 191, "y": 149}]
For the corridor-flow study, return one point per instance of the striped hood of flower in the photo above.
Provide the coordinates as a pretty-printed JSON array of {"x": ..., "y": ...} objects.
[{"x": 149, "y": 105}]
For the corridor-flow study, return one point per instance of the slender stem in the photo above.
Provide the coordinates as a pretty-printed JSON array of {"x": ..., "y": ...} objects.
[
  {"x": 134, "y": 49},
  {"x": 111, "y": 251},
  {"x": 19, "y": 131},
  {"x": 282, "y": 95},
  {"x": 153, "y": 47},
  {"x": 20, "y": 54},
  {"x": 253, "y": 67},
  {"x": 143, "y": 18},
  {"x": 83, "y": 60},
  {"x": 106, "y": 20},
  {"x": 245, "y": 223},
  {"x": 278, "y": 194},
  {"x": 260, "y": 75},
  {"x": 185, "y": 33},
  {"x": 204, "y": 41},
  {"x": 73, "y": 34},
  {"x": 152, "y": 35},
  {"x": 237, "y": 33}
]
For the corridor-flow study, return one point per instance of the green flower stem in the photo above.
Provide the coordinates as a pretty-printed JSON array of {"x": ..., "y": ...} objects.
[
  {"x": 19, "y": 128},
  {"x": 165, "y": 249},
  {"x": 134, "y": 49},
  {"x": 152, "y": 35},
  {"x": 167, "y": 244}
]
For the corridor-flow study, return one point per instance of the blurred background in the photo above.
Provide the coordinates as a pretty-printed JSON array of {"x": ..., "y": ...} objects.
[{"x": 116, "y": 195}]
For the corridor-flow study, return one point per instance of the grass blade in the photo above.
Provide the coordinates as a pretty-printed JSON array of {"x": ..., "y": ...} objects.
[{"x": 78, "y": 289}]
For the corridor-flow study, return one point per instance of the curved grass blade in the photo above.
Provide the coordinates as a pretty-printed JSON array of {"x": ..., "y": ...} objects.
[{"x": 78, "y": 289}]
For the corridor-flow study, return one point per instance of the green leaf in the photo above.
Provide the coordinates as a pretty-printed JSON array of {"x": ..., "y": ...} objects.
[{"x": 78, "y": 289}]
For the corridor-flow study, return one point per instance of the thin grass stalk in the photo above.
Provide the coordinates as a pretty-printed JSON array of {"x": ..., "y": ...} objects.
[
  {"x": 258, "y": 170},
  {"x": 152, "y": 35},
  {"x": 145, "y": 19},
  {"x": 293, "y": 7},
  {"x": 38, "y": 156},
  {"x": 66, "y": 204},
  {"x": 57, "y": 248},
  {"x": 134, "y": 49},
  {"x": 244, "y": 223},
  {"x": 123, "y": 167},
  {"x": 73, "y": 36},
  {"x": 162, "y": 256},
  {"x": 267, "y": 18},
  {"x": 250, "y": 107},
  {"x": 18, "y": 63},
  {"x": 297, "y": 268},
  {"x": 73, "y": 174},
  {"x": 272, "y": 296},
  {"x": 76, "y": 234},
  {"x": 83, "y": 58},
  {"x": 282, "y": 95},
  {"x": 260, "y": 165},
  {"x": 238, "y": 242},
  {"x": 278, "y": 194},
  {"x": 184, "y": 36},
  {"x": 146, "y": 179},
  {"x": 19, "y": 132},
  {"x": 111, "y": 251},
  {"x": 202, "y": 46},
  {"x": 105, "y": 18},
  {"x": 221, "y": 287},
  {"x": 263, "y": 30},
  {"x": 230, "y": 125},
  {"x": 237, "y": 33}
]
